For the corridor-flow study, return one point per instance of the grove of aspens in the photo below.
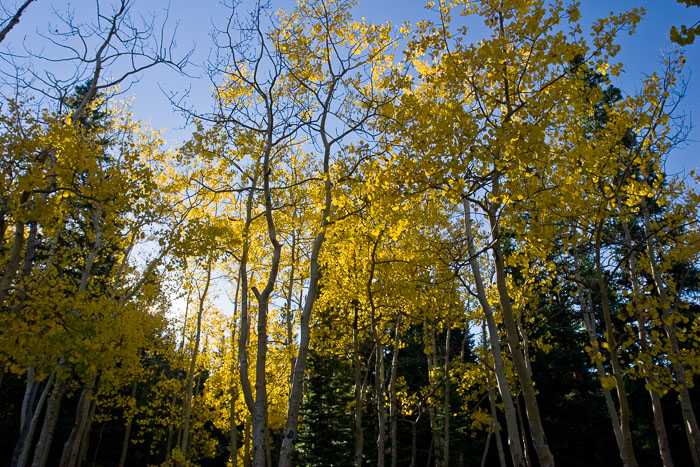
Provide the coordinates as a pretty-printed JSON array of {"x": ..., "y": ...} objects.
[{"x": 447, "y": 242}]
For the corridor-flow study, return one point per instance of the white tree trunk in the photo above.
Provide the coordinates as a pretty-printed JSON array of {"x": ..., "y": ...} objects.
[{"x": 514, "y": 445}]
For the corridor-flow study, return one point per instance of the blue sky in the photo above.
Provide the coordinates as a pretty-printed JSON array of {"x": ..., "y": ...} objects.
[{"x": 641, "y": 53}]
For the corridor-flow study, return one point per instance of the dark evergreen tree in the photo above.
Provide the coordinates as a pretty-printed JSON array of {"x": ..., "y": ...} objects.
[{"x": 325, "y": 431}]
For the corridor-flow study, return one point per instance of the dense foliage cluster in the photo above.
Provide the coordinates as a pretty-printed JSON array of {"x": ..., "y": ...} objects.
[{"x": 382, "y": 245}]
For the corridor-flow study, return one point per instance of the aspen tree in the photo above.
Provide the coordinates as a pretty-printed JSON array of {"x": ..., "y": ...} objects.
[{"x": 202, "y": 297}]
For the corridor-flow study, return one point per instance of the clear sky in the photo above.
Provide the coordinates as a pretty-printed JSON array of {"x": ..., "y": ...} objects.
[{"x": 640, "y": 53}]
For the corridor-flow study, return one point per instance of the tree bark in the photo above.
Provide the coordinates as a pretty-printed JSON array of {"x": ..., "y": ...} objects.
[
  {"x": 30, "y": 392},
  {"x": 291, "y": 430},
  {"x": 71, "y": 448},
  {"x": 431, "y": 356},
  {"x": 393, "y": 399},
  {"x": 359, "y": 391},
  {"x": 528, "y": 388},
  {"x": 259, "y": 415},
  {"x": 523, "y": 432},
  {"x": 41, "y": 452},
  {"x": 184, "y": 441},
  {"x": 492, "y": 407},
  {"x": 689, "y": 421},
  {"x": 13, "y": 262},
  {"x": 257, "y": 405},
  {"x": 288, "y": 314},
  {"x": 627, "y": 453},
  {"x": 514, "y": 445},
  {"x": 246, "y": 451},
  {"x": 379, "y": 397},
  {"x": 18, "y": 243},
  {"x": 587, "y": 314},
  {"x": 14, "y": 20},
  {"x": 99, "y": 443},
  {"x": 378, "y": 361},
  {"x": 69, "y": 457},
  {"x": 244, "y": 326},
  {"x": 446, "y": 406},
  {"x": 487, "y": 445},
  {"x": 233, "y": 429},
  {"x": 657, "y": 410},
  {"x": 21, "y": 452},
  {"x": 85, "y": 440}
]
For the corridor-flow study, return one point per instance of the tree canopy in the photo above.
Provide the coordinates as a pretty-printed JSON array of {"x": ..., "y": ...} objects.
[{"x": 380, "y": 244}]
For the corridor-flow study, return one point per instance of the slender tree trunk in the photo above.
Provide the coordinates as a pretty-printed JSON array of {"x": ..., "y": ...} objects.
[
  {"x": 127, "y": 429},
  {"x": 69, "y": 457},
  {"x": 657, "y": 410},
  {"x": 393, "y": 398},
  {"x": 259, "y": 415},
  {"x": 380, "y": 404},
  {"x": 233, "y": 436},
  {"x": 71, "y": 448},
  {"x": 521, "y": 367},
  {"x": 359, "y": 390},
  {"x": 184, "y": 442},
  {"x": 27, "y": 264},
  {"x": 297, "y": 387},
  {"x": 660, "y": 428},
  {"x": 514, "y": 445},
  {"x": 244, "y": 326},
  {"x": 586, "y": 303},
  {"x": 257, "y": 405},
  {"x": 431, "y": 356},
  {"x": 494, "y": 423},
  {"x": 487, "y": 446},
  {"x": 484, "y": 456},
  {"x": 414, "y": 444},
  {"x": 21, "y": 452},
  {"x": 523, "y": 433},
  {"x": 260, "y": 429},
  {"x": 85, "y": 441},
  {"x": 41, "y": 452},
  {"x": 378, "y": 360},
  {"x": 13, "y": 262},
  {"x": 288, "y": 314},
  {"x": 246, "y": 452},
  {"x": 492, "y": 403},
  {"x": 537, "y": 433},
  {"x": 99, "y": 443},
  {"x": 30, "y": 392},
  {"x": 94, "y": 251},
  {"x": 627, "y": 453},
  {"x": 4, "y": 201},
  {"x": 18, "y": 243},
  {"x": 689, "y": 421},
  {"x": 296, "y": 390},
  {"x": 233, "y": 430},
  {"x": 446, "y": 407}
]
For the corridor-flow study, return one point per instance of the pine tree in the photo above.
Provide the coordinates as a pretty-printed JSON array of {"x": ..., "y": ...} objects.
[{"x": 325, "y": 437}]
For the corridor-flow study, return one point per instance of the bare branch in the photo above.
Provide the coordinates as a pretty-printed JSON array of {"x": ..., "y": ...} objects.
[{"x": 14, "y": 20}]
